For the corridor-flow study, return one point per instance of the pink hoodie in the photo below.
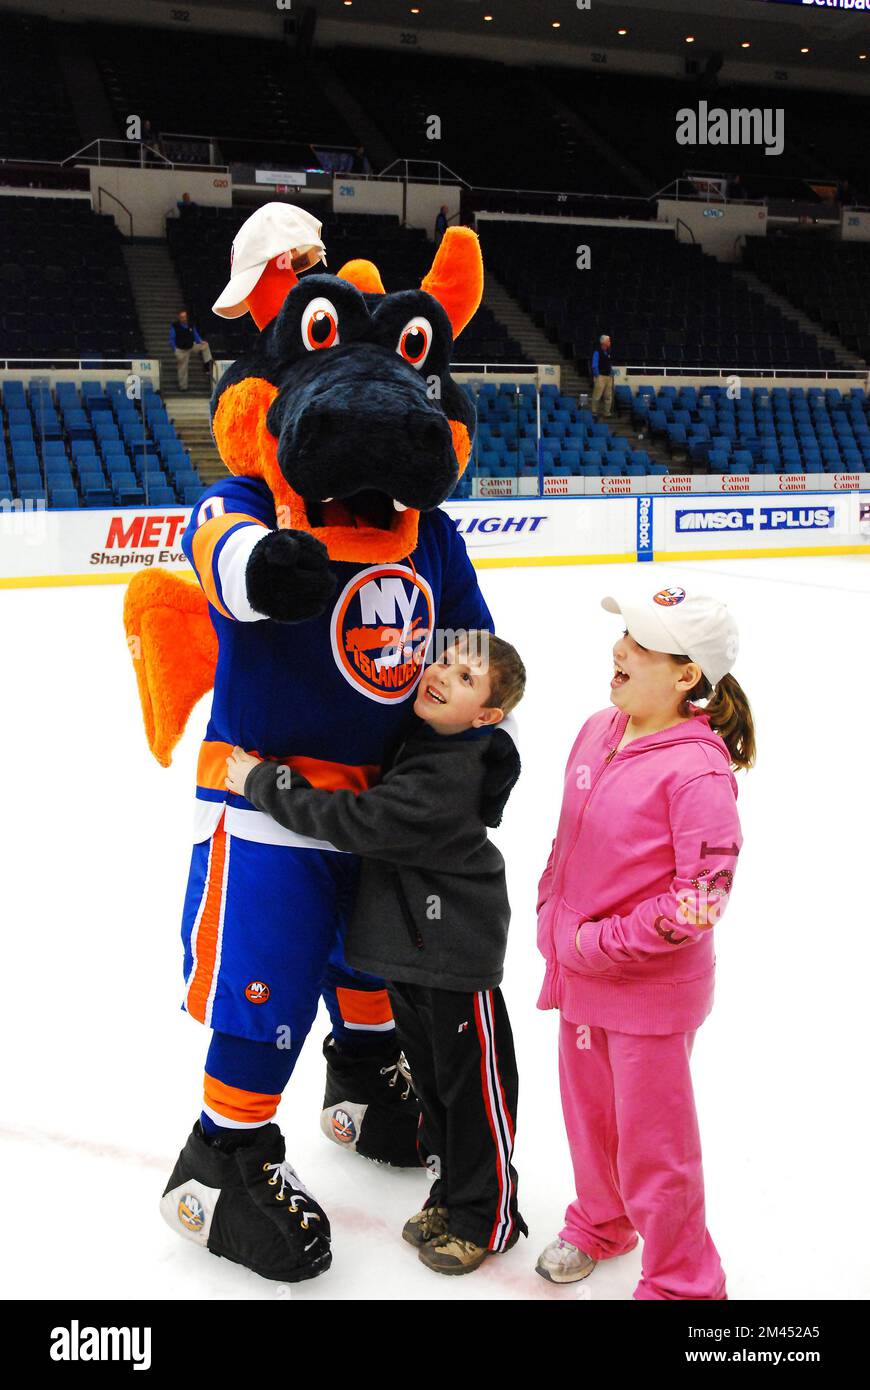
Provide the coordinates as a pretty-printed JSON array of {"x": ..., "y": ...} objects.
[{"x": 647, "y": 841}]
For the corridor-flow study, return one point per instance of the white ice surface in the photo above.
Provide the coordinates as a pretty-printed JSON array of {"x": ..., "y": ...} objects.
[{"x": 100, "y": 1072}]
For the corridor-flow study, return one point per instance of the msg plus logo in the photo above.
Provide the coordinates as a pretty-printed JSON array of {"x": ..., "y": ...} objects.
[{"x": 75, "y": 1343}]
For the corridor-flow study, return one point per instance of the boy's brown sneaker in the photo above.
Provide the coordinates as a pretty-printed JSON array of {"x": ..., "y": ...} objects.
[
  {"x": 449, "y": 1254},
  {"x": 425, "y": 1225}
]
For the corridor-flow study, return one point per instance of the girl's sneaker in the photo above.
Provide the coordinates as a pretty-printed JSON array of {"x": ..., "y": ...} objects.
[
  {"x": 425, "y": 1225},
  {"x": 564, "y": 1263}
]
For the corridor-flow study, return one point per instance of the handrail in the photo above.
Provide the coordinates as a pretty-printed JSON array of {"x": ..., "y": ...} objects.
[
  {"x": 680, "y": 223},
  {"x": 655, "y": 369},
  {"x": 137, "y": 150},
  {"x": 100, "y": 191},
  {"x": 437, "y": 163}
]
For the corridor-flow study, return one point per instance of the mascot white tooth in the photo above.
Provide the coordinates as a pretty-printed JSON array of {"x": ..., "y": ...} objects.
[{"x": 318, "y": 600}]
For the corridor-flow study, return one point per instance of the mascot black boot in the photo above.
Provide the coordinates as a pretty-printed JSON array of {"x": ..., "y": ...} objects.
[
  {"x": 243, "y": 1200},
  {"x": 369, "y": 1106}
]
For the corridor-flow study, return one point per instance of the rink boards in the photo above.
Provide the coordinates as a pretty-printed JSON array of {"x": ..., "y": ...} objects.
[{"x": 39, "y": 546}]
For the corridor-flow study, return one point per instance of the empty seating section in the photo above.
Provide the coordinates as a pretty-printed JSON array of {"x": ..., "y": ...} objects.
[
  {"x": 90, "y": 447},
  {"x": 637, "y": 116},
  {"x": 64, "y": 288},
  {"x": 516, "y": 139},
  {"x": 664, "y": 303},
  {"x": 36, "y": 118},
  {"x": 571, "y": 443},
  {"x": 200, "y": 243},
  {"x": 258, "y": 97},
  {"x": 776, "y": 430},
  {"x": 830, "y": 281}
]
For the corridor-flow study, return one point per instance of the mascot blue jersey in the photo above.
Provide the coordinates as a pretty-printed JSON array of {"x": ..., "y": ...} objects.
[{"x": 327, "y": 695}]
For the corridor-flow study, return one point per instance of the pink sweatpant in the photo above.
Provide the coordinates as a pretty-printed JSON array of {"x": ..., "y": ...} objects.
[{"x": 633, "y": 1133}]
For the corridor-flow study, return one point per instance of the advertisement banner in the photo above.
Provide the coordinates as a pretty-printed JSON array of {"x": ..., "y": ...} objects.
[{"x": 38, "y": 546}]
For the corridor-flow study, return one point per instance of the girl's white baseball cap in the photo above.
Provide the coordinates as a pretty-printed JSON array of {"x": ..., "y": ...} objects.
[
  {"x": 273, "y": 229},
  {"x": 682, "y": 623}
]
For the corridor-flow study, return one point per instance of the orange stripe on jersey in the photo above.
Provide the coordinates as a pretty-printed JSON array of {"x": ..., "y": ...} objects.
[
  {"x": 363, "y": 1006},
  {"x": 335, "y": 777},
  {"x": 211, "y": 772},
  {"x": 211, "y": 769},
  {"x": 204, "y": 542},
  {"x": 246, "y": 1107},
  {"x": 206, "y": 930}
]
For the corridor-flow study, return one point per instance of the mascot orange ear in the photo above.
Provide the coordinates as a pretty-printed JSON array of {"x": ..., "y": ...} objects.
[
  {"x": 456, "y": 277},
  {"x": 364, "y": 274}
]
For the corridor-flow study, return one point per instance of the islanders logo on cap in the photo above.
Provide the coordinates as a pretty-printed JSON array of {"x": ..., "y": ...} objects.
[
  {"x": 381, "y": 630},
  {"x": 668, "y": 597}
]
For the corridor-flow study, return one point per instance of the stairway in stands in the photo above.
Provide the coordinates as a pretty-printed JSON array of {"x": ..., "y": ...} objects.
[
  {"x": 538, "y": 348},
  {"x": 846, "y": 358},
  {"x": 535, "y": 344},
  {"x": 158, "y": 299}
]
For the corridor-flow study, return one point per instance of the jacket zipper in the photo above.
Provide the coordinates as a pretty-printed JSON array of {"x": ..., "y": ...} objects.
[
  {"x": 413, "y": 930},
  {"x": 607, "y": 761}
]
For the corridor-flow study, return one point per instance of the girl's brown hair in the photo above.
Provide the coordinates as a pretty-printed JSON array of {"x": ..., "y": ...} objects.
[{"x": 729, "y": 714}]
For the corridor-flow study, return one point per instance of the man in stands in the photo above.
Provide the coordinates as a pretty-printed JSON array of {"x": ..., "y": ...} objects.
[
  {"x": 441, "y": 224},
  {"x": 185, "y": 338},
  {"x": 602, "y": 377}
]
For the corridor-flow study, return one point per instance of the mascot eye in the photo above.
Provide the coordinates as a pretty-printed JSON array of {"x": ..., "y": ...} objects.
[
  {"x": 320, "y": 325},
  {"x": 415, "y": 340}
]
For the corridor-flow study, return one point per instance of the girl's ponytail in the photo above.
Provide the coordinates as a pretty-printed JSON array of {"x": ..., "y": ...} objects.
[{"x": 730, "y": 716}]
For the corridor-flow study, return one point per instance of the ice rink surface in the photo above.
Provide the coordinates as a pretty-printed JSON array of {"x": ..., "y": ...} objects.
[{"x": 101, "y": 1072}]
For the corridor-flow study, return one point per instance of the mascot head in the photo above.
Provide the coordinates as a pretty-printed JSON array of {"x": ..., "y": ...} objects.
[{"x": 346, "y": 408}]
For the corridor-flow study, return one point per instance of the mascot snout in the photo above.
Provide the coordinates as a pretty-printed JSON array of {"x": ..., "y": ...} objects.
[{"x": 363, "y": 421}]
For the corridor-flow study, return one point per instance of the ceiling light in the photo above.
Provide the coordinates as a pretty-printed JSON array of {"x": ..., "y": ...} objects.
[
  {"x": 690, "y": 38},
  {"x": 745, "y": 44},
  {"x": 622, "y": 32},
  {"x": 557, "y": 24},
  {"x": 805, "y": 50}
]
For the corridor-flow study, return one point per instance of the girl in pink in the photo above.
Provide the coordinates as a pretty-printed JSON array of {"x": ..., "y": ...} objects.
[{"x": 639, "y": 874}]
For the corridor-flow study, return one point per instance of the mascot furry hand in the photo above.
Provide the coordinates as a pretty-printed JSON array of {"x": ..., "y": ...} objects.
[{"x": 325, "y": 567}]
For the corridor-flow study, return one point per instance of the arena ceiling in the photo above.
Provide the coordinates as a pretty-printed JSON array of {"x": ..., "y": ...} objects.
[{"x": 776, "y": 31}]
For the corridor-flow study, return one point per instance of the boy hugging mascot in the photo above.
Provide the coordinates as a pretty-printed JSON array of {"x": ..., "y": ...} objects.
[{"x": 325, "y": 570}]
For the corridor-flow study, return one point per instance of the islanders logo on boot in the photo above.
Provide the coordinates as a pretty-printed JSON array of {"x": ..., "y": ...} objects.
[
  {"x": 381, "y": 631},
  {"x": 343, "y": 1127},
  {"x": 191, "y": 1212}
]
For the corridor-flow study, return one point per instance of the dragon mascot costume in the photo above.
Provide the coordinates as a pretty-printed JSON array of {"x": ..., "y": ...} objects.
[{"x": 324, "y": 569}]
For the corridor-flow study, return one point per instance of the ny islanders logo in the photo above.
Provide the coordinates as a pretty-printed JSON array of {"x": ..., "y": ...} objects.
[
  {"x": 191, "y": 1212},
  {"x": 668, "y": 597},
  {"x": 381, "y": 630}
]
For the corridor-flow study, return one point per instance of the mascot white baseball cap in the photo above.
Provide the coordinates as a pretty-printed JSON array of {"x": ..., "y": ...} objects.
[
  {"x": 682, "y": 623},
  {"x": 271, "y": 230}
]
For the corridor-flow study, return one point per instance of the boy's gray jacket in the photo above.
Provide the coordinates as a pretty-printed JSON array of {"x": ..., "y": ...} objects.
[{"x": 432, "y": 906}]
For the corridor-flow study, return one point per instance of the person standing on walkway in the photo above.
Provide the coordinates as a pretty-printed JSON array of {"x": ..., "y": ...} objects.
[
  {"x": 602, "y": 378},
  {"x": 185, "y": 338}
]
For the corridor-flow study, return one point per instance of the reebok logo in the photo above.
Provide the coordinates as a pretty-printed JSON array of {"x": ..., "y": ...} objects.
[{"x": 75, "y": 1343}]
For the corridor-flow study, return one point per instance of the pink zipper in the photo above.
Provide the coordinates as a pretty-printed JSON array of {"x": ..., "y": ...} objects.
[{"x": 607, "y": 761}]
